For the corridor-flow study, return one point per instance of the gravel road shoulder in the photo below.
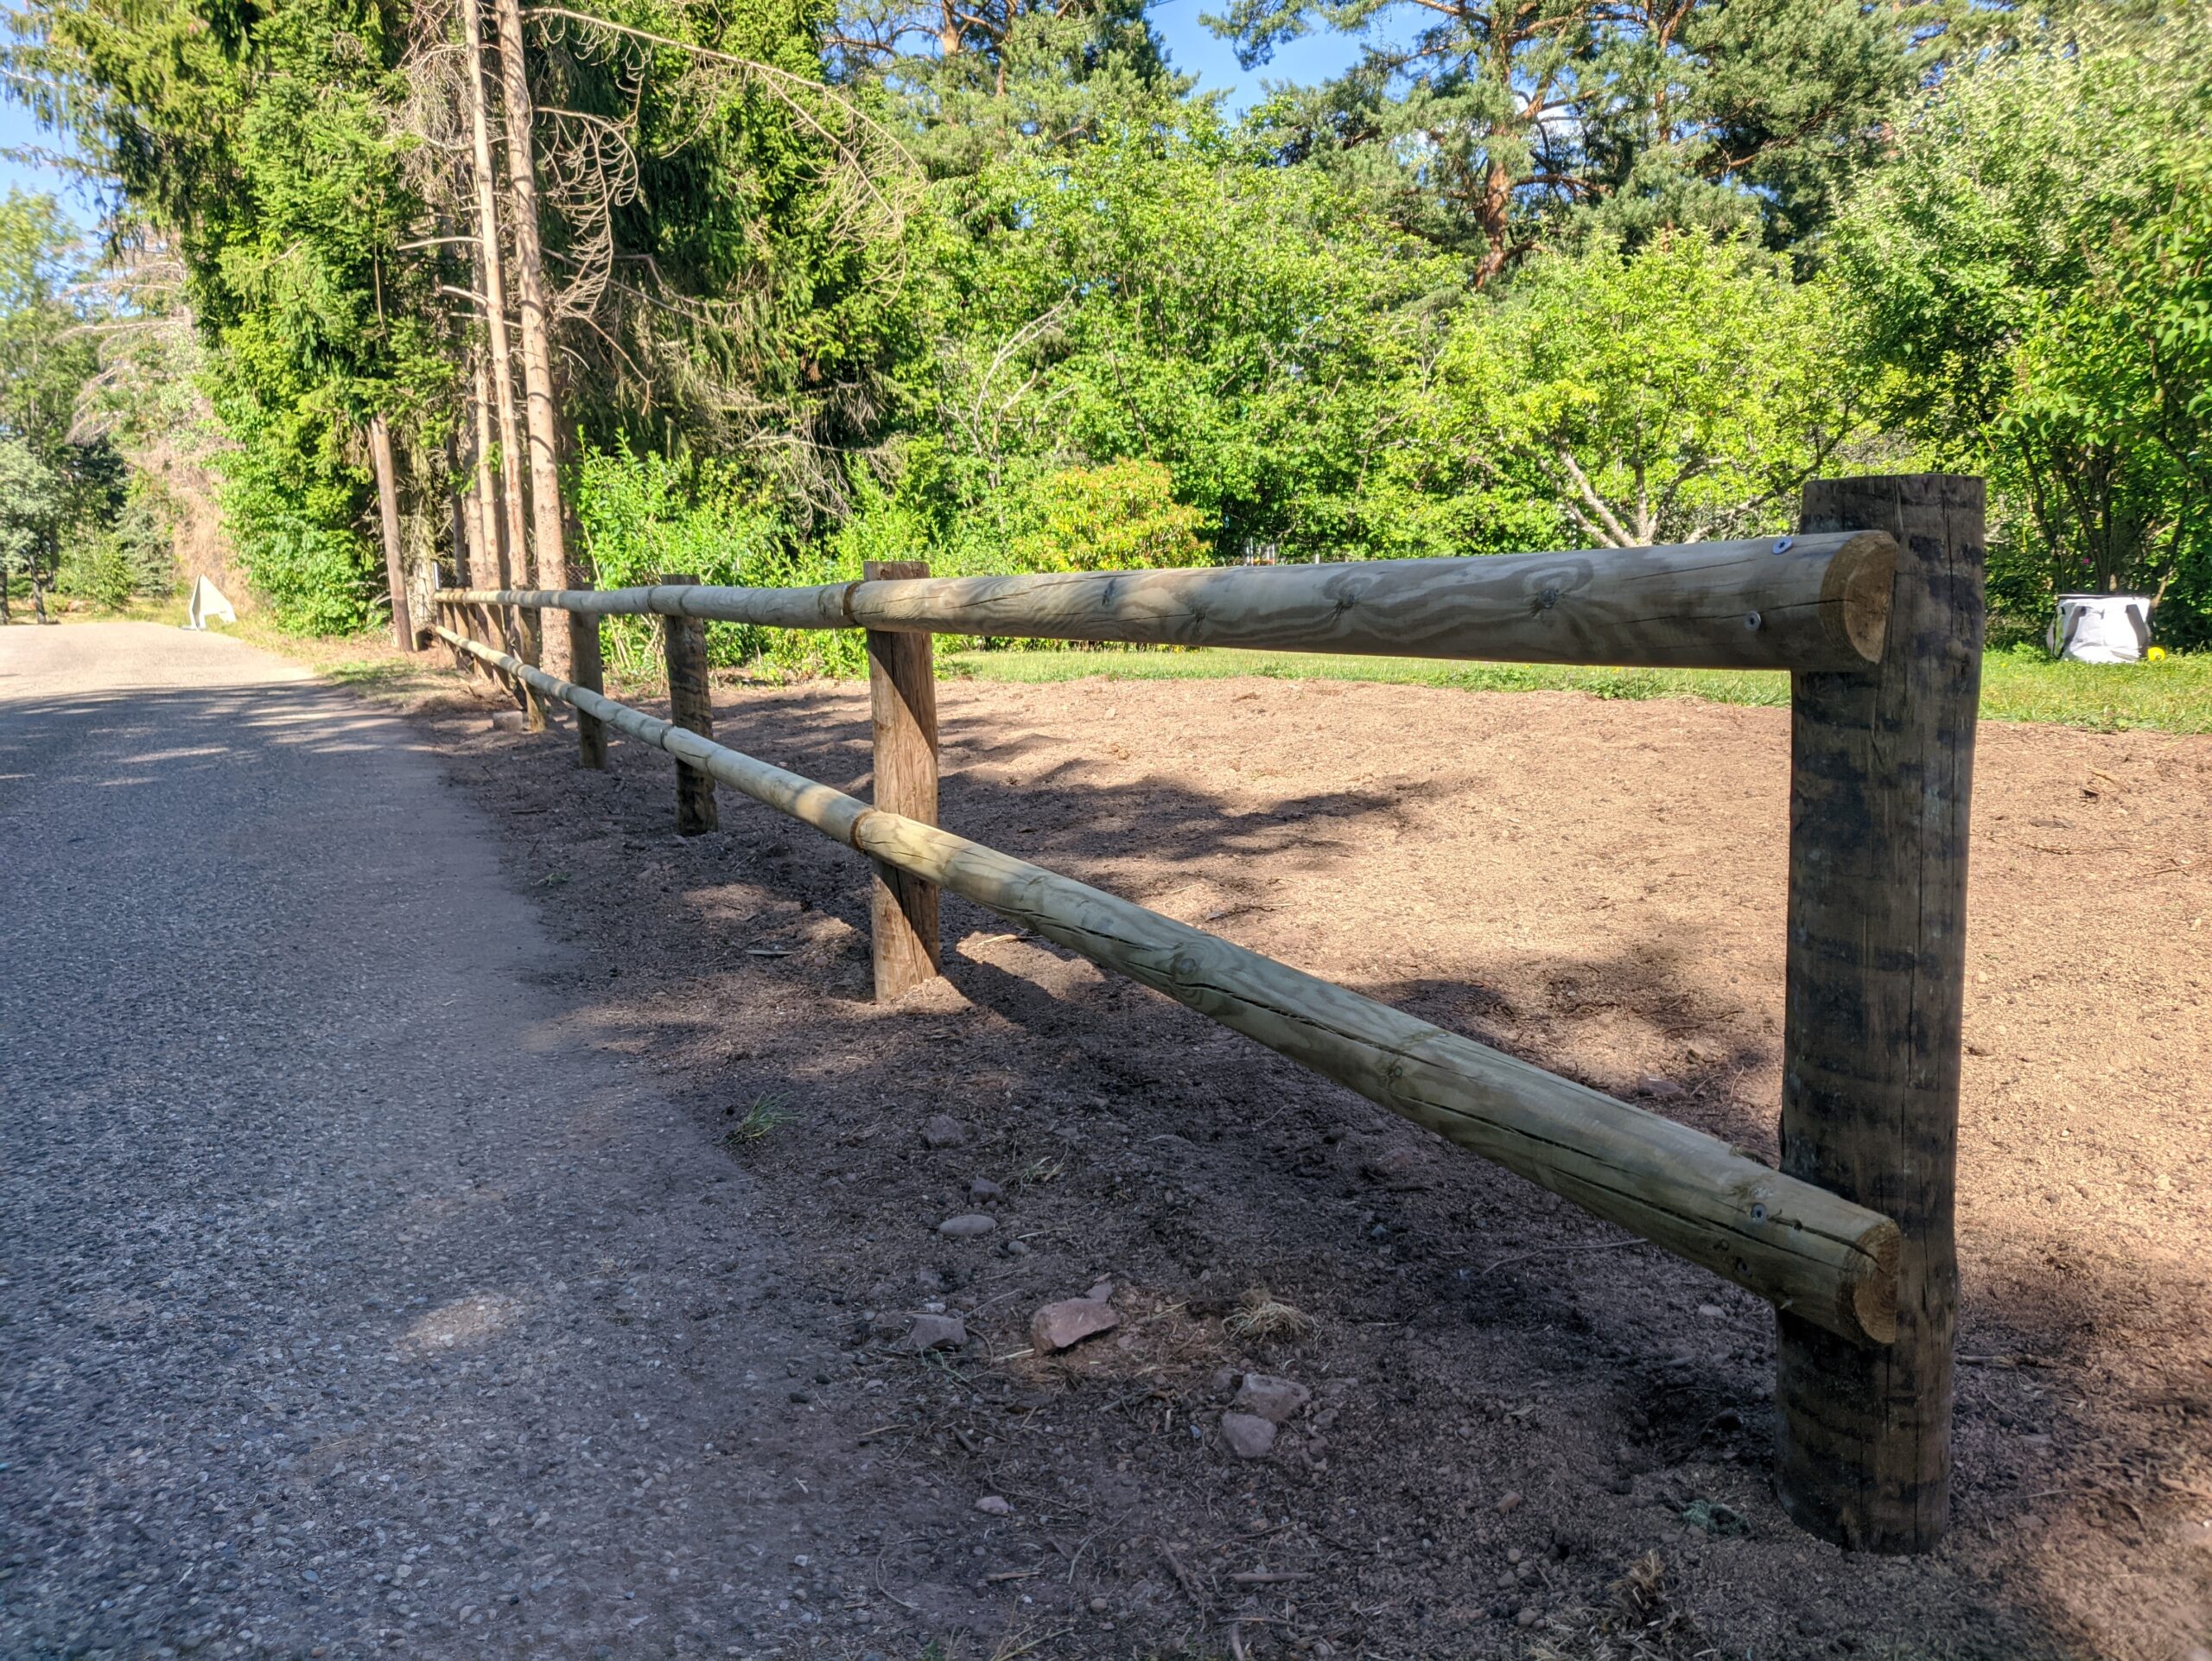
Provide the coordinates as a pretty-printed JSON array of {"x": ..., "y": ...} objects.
[{"x": 356, "y": 1300}]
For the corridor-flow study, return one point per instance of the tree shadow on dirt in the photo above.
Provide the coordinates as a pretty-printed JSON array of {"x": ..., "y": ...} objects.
[
  {"x": 1528, "y": 1348},
  {"x": 1229, "y": 1167}
]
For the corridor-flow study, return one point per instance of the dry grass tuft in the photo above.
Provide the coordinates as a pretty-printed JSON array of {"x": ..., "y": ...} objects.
[
  {"x": 1259, "y": 1316},
  {"x": 765, "y": 1116},
  {"x": 1643, "y": 1624}
]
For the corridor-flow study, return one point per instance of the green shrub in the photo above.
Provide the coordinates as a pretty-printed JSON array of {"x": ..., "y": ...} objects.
[
  {"x": 100, "y": 570},
  {"x": 646, "y": 517},
  {"x": 133, "y": 557},
  {"x": 1119, "y": 517},
  {"x": 317, "y": 580}
]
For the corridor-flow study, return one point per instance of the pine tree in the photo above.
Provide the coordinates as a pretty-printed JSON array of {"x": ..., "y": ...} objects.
[{"x": 1500, "y": 126}]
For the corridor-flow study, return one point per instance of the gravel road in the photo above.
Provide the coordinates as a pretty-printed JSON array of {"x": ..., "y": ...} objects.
[{"x": 351, "y": 1300}]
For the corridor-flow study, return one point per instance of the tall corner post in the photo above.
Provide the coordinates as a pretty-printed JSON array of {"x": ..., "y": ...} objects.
[
  {"x": 690, "y": 706},
  {"x": 902, "y": 708},
  {"x": 1880, "y": 781}
]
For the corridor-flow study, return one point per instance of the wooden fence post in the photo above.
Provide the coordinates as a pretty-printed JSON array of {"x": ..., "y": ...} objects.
[
  {"x": 690, "y": 706},
  {"x": 902, "y": 708},
  {"x": 1881, "y": 774},
  {"x": 536, "y": 708},
  {"x": 586, "y": 666},
  {"x": 587, "y": 670}
]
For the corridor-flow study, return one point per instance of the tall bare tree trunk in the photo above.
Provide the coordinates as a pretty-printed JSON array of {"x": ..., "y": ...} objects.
[
  {"x": 491, "y": 267},
  {"x": 491, "y": 569},
  {"x": 458, "y": 504},
  {"x": 472, "y": 567},
  {"x": 547, "y": 539},
  {"x": 495, "y": 569},
  {"x": 394, "y": 573}
]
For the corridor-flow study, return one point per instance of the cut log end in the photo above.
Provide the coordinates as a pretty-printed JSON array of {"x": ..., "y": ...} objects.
[
  {"x": 1874, "y": 1296},
  {"x": 1855, "y": 593}
]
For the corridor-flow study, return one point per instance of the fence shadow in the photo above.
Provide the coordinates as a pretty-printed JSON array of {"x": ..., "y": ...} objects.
[
  {"x": 1198, "y": 1167},
  {"x": 1224, "y": 1167}
]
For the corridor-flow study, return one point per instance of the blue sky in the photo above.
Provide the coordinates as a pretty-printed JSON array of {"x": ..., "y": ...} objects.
[
  {"x": 1195, "y": 50},
  {"x": 15, "y": 128},
  {"x": 1192, "y": 46}
]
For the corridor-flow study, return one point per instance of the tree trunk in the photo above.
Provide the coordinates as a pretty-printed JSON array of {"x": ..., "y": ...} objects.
[
  {"x": 588, "y": 665},
  {"x": 468, "y": 561},
  {"x": 1494, "y": 214},
  {"x": 548, "y": 544},
  {"x": 463, "y": 512},
  {"x": 491, "y": 570},
  {"x": 395, "y": 575},
  {"x": 491, "y": 267}
]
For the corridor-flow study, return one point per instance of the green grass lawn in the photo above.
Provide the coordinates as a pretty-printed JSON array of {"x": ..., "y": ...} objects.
[{"x": 2018, "y": 683}]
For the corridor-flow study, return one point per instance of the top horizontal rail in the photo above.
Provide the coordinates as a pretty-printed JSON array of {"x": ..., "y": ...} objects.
[{"x": 1808, "y": 602}]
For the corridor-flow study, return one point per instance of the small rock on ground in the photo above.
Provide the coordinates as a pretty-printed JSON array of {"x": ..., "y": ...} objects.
[
  {"x": 936, "y": 1332},
  {"x": 1057, "y": 1326},
  {"x": 1248, "y": 1435},
  {"x": 967, "y": 1226},
  {"x": 1276, "y": 1400},
  {"x": 943, "y": 1130}
]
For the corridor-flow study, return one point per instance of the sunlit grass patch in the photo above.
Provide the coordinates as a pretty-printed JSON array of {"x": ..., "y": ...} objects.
[{"x": 2018, "y": 683}]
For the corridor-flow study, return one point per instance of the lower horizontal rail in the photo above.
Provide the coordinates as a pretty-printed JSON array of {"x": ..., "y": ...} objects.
[{"x": 1799, "y": 1246}]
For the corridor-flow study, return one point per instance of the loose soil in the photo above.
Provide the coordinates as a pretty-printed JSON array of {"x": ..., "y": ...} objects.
[{"x": 1527, "y": 1434}]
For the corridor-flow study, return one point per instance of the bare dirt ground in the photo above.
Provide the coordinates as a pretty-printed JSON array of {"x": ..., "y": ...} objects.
[{"x": 1512, "y": 1406}]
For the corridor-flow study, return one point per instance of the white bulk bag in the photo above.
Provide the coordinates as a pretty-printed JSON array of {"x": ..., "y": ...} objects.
[
  {"x": 206, "y": 603},
  {"x": 2101, "y": 627}
]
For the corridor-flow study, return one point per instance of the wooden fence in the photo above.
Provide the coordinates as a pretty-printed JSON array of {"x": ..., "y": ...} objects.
[{"x": 1876, "y": 608}]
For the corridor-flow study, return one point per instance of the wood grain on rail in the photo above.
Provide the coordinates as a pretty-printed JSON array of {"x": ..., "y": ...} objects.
[{"x": 1807, "y": 602}]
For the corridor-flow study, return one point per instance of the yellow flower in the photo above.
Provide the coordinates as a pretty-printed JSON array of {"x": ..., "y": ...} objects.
[{"x": 2156, "y": 654}]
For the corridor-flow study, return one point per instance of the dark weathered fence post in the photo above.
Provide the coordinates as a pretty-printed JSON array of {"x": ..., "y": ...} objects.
[
  {"x": 902, "y": 707},
  {"x": 690, "y": 706},
  {"x": 530, "y": 628},
  {"x": 587, "y": 667},
  {"x": 1881, "y": 770},
  {"x": 587, "y": 670}
]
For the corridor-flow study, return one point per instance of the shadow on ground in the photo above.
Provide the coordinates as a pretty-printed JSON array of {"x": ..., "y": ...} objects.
[{"x": 1512, "y": 1402}]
